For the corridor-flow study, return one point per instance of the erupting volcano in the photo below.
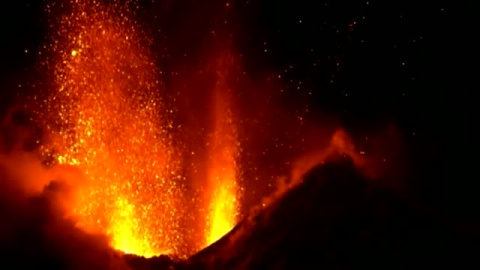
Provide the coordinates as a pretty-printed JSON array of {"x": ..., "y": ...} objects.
[{"x": 159, "y": 134}]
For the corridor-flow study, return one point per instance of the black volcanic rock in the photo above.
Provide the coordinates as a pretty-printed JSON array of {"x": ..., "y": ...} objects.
[{"x": 337, "y": 219}]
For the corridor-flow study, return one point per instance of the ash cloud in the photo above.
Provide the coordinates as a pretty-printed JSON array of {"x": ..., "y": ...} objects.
[{"x": 35, "y": 230}]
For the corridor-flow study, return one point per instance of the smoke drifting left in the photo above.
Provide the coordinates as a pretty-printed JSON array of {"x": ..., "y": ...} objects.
[{"x": 35, "y": 231}]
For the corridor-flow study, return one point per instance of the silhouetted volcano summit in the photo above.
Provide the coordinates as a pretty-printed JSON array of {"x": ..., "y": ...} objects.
[{"x": 337, "y": 219}]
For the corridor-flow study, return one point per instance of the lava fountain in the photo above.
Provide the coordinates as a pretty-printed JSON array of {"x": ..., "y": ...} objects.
[
  {"x": 222, "y": 173},
  {"x": 105, "y": 116}
]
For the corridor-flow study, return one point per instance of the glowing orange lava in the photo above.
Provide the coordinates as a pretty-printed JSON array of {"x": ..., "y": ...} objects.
[
  {"x": 222, "y": 170},
  {"x": 105, "y": 116},
  {"x": 222, "y": 176}
]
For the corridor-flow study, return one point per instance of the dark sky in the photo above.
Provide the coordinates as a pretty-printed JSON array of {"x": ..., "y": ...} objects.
[
  {"x": 371, "y": 59},
  {"x": 366, "y": 62}
]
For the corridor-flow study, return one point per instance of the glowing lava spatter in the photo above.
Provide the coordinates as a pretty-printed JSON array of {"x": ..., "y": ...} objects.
[
  {"x": 222, "y": 171},
  {"x": 105, "y": 116}
]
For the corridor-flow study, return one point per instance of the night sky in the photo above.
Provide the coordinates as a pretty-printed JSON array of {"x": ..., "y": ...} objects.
[{"x": 368, "y": 63}]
